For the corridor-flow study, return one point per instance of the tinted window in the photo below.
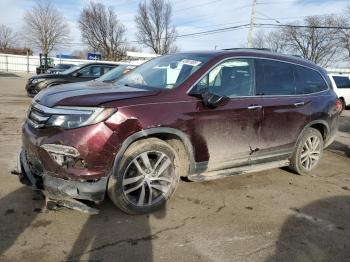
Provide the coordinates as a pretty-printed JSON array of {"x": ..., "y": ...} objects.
[
  {"x": 116, "y": 73},
  {"x": 309, "y": 81},
  {"x": 107, "y": 69},
  {"x": 342, "y": 81},
  {"x": 90, "y": 71},
  {"x": 231, "y": 78},
  {"x": 274, "y": 78}
]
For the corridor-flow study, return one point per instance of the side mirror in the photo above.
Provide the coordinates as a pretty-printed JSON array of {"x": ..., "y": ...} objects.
[
  {"x": 77, "y": 74},
  {"x": 212, "y": 100}
]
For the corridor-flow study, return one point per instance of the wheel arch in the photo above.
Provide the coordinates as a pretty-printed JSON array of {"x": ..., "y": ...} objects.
[
  {"x": 321, "y": 125},
  {"x": 163, "y": 133}
]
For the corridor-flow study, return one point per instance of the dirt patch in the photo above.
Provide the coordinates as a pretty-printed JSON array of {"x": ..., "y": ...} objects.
[
  {"x": 6, "y": 74},
  {"x": 41, "y": 223}
]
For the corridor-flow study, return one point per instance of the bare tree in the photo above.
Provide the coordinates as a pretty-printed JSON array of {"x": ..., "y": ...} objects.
[
  {"x": 316, "y": 44},
  {"x": 102, "y": 31},
  {"x": 45, "y": 27},
  {"x": 271, "y": 40},
  {"x": 344, "y": 34},
  {"x": 153, "y": 23},
  {"x": 7, "y": 37}
]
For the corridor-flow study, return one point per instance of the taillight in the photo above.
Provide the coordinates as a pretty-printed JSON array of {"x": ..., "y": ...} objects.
[{"x": 338, "y": 105}]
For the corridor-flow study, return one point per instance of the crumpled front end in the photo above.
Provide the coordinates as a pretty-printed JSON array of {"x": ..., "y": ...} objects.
[
  {"x": 68, "y": 163},
  {"x": 58, "y": 188}
]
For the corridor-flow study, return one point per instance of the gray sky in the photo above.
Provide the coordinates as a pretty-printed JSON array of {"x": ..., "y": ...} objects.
[{"x": 189, "y": 17}]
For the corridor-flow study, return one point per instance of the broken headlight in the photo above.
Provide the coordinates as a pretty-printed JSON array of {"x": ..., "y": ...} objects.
[{"x": 73, "y": 117}]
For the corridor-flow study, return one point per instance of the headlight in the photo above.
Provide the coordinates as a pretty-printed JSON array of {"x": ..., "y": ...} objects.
[
  {"x": 73, "y": 117},
  {"x": 37, "y": 80}
]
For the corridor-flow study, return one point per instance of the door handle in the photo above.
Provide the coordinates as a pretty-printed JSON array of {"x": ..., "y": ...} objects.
[
  {"x": 299, "y": 104},
  {"x": 254, "y": 107}
]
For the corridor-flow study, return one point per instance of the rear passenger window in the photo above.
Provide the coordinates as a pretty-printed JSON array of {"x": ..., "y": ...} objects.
[
  {"x": 309, "y": 81},
  {"x": 274, "y": 78},
  {"x": 342, "y": 81}
]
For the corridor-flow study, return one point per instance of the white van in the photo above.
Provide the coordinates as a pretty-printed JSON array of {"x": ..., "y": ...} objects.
[{"x": 341, "y": 86}]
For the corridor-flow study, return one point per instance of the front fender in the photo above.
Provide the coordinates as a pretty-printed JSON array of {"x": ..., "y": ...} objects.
[{"x": 151, "y": 132}]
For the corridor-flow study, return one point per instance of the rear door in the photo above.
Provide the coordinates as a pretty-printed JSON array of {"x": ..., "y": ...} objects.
[{"x": 286, "y": 110}]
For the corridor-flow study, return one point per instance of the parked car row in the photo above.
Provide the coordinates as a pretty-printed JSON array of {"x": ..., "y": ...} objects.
[
  {"x": 200, "y": 115},
  {"x": 76, "y": 73},
  {"x": 59, "y": 68}
]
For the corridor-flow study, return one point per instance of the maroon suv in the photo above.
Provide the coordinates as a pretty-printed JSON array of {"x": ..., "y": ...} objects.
[{"x": 200, "y": 115}]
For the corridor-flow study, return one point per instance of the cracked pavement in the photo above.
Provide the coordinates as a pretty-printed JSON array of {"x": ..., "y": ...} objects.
[{"x": 267, "y": 216}]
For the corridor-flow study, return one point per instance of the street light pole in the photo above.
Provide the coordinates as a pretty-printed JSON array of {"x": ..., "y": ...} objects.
[{"x": 251, "y": 27}]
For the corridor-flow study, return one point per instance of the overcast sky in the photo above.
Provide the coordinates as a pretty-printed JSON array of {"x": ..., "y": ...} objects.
[{"x": 188, "y": 17}]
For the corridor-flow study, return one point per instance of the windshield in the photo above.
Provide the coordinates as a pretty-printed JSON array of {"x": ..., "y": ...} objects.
[
  {"x": 70, "y": 70},
  {"x": 164, "y": 72},
  {"x": 115, "y": 73}
]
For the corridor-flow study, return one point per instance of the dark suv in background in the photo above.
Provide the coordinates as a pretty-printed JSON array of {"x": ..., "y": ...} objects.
[
  {"x": 59, "y": 68},
  {"x": 79, "y": 73},
  {"x": 200, "y": 115}
]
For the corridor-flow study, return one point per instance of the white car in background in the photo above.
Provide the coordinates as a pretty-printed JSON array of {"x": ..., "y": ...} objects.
[{"x": 341, "y": 86}]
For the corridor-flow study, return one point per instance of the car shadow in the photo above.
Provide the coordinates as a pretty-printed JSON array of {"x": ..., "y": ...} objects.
[
  {"x": 344, "y": 124},
  {"x": 319, "y": 231},
  {"x": 115, "y": 236},
  {"x": 340, "y": 147},
  {"x": 17, "y": 213}
]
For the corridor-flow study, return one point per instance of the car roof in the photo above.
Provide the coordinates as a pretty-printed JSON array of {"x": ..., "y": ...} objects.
[{"x": 257, "y": 53}]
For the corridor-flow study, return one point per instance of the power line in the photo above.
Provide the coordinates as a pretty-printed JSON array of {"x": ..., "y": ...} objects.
[
  {"x": 305, "y": 26},
  {"x": 268, "y": 17},
  {"x": 195, "y": 20},
  {"x": 201, "y": 33},
  {"x": 242, "y": 26}
]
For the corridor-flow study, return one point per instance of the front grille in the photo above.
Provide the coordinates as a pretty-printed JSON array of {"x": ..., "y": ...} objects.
[{"x": 37, "y": 117}]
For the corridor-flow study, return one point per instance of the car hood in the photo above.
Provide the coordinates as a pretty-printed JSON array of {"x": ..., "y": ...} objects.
[
  {"x": 91, "y": 93},
  {"x": 48, "y": 76}
]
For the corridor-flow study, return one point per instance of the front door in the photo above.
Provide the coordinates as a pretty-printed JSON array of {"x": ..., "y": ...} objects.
[
  {"x": 229, "y": 132},
  {"x": 88, "y": 73}
]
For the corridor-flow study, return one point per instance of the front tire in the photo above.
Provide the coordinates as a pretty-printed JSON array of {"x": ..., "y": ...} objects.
[
  {"x": 147, "y": 177},
  {"x": 308, "y": 152}
]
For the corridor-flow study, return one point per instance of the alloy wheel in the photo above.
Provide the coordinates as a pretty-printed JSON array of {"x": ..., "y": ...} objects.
[
  {"x": 311, "y": 152},
  {"x": 148, "y": 178}
]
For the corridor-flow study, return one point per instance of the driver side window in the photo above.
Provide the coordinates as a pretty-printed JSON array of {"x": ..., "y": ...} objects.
[
  {"x": 90, "y": 71},
  {"x": 232, "y": 78}
]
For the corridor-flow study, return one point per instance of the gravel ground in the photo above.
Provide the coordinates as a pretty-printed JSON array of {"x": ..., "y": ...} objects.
[{"x": 267, "y": 216}]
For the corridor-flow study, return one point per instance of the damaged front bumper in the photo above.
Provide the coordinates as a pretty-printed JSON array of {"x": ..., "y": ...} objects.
[{"x": 59, "y": 188}]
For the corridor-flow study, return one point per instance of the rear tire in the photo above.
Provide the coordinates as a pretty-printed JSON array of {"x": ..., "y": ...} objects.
[
  {"x": 147, "y": 177},
  {"x": 307, "y": 153}
]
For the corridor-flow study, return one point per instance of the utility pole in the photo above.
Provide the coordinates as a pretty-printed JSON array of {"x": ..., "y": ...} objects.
[{"x": 251, "y": 27}]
